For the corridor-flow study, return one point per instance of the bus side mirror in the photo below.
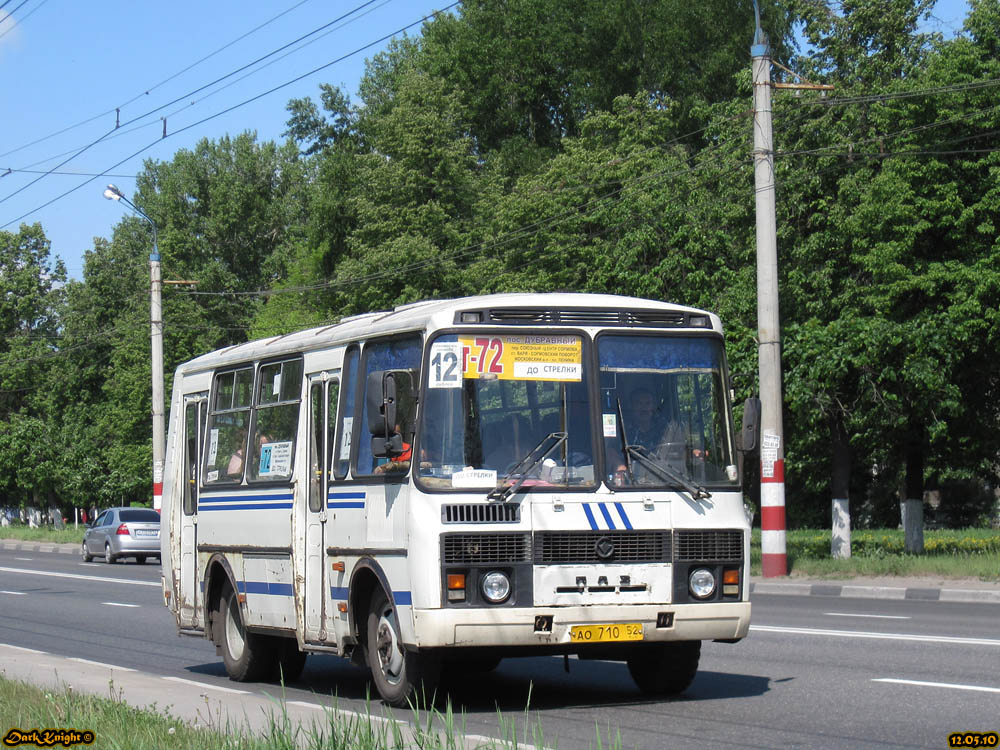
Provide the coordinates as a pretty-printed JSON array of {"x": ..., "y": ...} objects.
[
  {"x": 750, "y": 430},
  {"x": 380, "y": 390}
]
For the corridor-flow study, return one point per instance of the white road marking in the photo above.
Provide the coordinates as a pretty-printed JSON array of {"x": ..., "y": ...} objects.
[
  {"x": 14, "y": 593},
  {"x": 306, "y": 704},
  {"x": 878, "y": 636},
  {"x": 874, "y": 617},
  {"x": 119, "y": 604},
  {"x": 26, "y": 559},
  {"x": 100, "y": 664},
  {"x": 207, "y": 686},
  {"x": 78, "y": 576},
  {"x": 950, "y": 686}
]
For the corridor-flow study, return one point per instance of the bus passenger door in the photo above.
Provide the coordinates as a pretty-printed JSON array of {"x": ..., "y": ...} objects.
[
  {"x": 189, "y": 593},
  {"x": 323, "y": 395}
]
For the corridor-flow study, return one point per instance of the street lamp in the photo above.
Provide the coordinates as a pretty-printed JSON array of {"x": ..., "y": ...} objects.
[{"x": 156, "y": 339}]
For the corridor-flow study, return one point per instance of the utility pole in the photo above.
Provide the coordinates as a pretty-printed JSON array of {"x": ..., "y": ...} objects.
[
  {"x": 774, "y": 561},
  {"x": 156, "y": 345}
]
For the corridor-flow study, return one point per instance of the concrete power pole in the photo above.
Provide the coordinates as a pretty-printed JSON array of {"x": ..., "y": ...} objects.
[{"x": 774, "y": 561}]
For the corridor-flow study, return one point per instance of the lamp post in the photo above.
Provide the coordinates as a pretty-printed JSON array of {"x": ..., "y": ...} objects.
[{"x": 156, "y": 340}]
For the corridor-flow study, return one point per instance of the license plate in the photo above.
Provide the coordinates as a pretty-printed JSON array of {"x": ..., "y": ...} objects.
[
  {"x": 146, "y": 532},
  {"x": 624, "y": 631}
]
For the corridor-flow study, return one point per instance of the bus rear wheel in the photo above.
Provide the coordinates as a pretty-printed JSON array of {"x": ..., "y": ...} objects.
[
  {"x": 400, "y": 676},
  {"x": 247, "y": 656},
  {"x": 665, "y": 668}
]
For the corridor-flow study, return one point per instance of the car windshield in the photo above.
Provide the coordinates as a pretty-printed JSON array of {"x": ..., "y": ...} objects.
[
  {"x": 492, "y": 400},
  {"x": 664, "y": 412}
]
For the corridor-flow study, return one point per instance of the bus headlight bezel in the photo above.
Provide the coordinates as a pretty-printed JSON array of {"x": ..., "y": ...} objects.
[
  {"x": 702, "y": 583},
  {"x": 496, "y": 587}
]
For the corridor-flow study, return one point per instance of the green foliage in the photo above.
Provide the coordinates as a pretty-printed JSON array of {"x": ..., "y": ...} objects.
[{"x": 541, "y": 145}]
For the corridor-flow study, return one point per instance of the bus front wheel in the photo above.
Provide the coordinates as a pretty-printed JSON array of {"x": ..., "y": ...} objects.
[
  {"x": 400, "y": 676},
  {"x": 247, "y": 656},
  {"x": 665, "y": 668}
]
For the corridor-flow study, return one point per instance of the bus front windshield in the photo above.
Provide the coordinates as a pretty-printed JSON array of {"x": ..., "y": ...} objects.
[
  {"x": 664, "y": 411},
  {"x": 505, "y": 409}
]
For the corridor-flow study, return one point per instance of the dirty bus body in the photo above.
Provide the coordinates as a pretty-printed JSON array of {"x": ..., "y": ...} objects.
[{"x": 461, "y": 480}]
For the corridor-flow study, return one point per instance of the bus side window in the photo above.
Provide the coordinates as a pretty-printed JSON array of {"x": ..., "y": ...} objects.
[{"x": 390, "y": 356}]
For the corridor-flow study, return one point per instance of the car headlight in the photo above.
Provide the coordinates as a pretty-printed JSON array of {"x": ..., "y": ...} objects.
[
  {"x": 701, "y": 582},
  {"x": 496, "y": 587}
]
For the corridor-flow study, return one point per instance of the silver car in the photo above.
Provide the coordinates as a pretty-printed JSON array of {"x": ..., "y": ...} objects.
[{"x": 123, "y": 532}]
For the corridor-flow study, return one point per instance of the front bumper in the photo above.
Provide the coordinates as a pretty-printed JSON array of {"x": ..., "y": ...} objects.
[{"x": 438, "y": 628}]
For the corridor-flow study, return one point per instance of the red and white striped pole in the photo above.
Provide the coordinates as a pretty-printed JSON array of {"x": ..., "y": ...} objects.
[{"x": 774, "y": 561}]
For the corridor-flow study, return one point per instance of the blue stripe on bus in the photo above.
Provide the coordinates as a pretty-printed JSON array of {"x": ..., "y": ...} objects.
[
  {"x": 607, "y": 515},
  {"x": 590, "y": 516},
  {"x": 621, "y": 512},
  {"x": 254, "y": 506},
  {"x": 268, "y": 587},
  {"x": 345, "y": 499},
  {"x": 402, "y": 598},
  {"x": 346, "y": 495},
  {"x": 339, "y": 592},
  {"x": 351, "y": 504},
  {"x": 244, "y": 498}
]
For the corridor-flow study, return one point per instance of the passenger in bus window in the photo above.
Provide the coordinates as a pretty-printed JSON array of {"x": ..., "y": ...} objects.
[{"x": 235, "y": 467}]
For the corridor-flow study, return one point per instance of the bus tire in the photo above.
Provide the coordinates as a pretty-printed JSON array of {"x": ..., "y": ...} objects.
[
  {"x": 401, "y": 676},
  {"x": 665, "y": 668},
  {"x": 290, "y": 662},
  {"x": 248, "y": 657}
]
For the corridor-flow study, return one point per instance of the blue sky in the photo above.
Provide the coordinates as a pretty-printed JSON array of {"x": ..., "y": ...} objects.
[{"x": 66, "y": 66}]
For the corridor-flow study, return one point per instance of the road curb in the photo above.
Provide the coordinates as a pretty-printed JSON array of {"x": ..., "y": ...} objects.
[
  {"x": 860, "y": 591},
  {"x": 14, "y": 545}
]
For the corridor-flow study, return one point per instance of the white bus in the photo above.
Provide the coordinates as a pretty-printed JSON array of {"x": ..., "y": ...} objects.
[{"x": 461, "y": 480}]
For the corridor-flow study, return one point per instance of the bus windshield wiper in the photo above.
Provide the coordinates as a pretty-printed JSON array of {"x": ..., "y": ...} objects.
[
  {"x": 526, "y": 465},
  {"x": 654, "y": 464}
]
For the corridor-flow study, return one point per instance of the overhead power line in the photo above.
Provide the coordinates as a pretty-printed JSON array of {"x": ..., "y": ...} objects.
[
  {"x": 225, "y": 111},
  {"x": 146, "y": 91}
]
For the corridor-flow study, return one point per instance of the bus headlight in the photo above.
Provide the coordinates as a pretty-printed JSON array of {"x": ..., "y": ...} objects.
[
  {"x": 496, "y": 587},
  {"x": 701, "y": 582}
]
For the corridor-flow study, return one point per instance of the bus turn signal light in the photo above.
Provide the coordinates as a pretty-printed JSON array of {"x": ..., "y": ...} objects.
[
  {"x": 731, "y": 576},
  {"x": 456, "y": 587}
]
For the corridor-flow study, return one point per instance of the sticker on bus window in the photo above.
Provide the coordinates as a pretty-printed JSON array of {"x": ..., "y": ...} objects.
[
  {"x": 347, "y": 429},
  {"x": 275, "y": 459},
  {"x": 610, "y": 422},
  {"x": 446, "y": 371},
  {"x": 522, "y": 357},
  {"x": 213, "y": 445},
  {"x": 474, "y": 478}
]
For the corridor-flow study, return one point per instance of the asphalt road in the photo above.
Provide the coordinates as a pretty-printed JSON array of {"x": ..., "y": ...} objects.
[{"x": 815, "y": 672}]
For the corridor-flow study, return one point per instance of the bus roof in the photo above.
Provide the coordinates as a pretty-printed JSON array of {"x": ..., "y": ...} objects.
[{"x": 552, "y": 309}]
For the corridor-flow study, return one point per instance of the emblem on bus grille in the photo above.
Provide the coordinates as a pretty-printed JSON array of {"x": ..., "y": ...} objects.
[{"x": 604, "y": 548}]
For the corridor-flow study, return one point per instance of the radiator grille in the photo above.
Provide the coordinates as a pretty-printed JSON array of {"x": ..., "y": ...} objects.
[
  {"x": 481, "y": 513},
  {"x": 475, "y": 549},
  {"x": 697, "y": 546},
  {"x": 575, "y": 547}
]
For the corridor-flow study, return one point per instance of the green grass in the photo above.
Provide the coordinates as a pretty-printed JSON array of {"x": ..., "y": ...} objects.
[
  {"x": 966, "y": 553},
  {"x": 69, "y": 535},
  {"x": 117, "y": 725}
]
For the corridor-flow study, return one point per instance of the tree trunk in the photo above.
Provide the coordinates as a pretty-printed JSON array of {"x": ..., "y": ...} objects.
[
  {"x": 840, "y": 480},
  {"x": 913, "y": 499}
]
